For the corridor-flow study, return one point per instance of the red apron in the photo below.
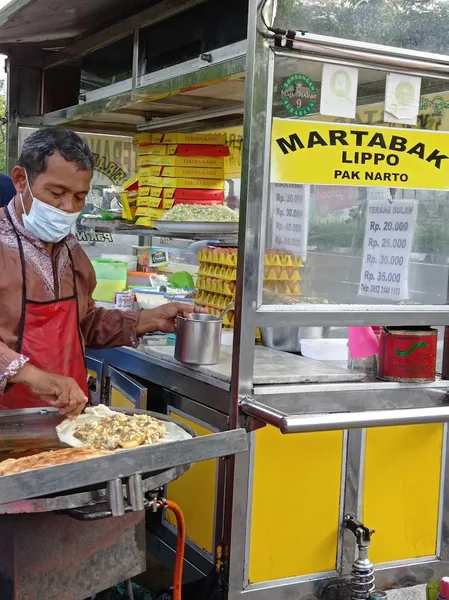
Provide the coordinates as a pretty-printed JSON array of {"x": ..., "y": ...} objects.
[{"x": 49, "y": 337}]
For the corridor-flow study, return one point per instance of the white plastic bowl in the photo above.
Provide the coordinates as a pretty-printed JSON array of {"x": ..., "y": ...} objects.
[{"x": 325, "y": 349}]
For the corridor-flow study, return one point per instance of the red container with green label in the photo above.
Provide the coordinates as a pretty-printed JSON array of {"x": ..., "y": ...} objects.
[{"x": 408, "y": 355}]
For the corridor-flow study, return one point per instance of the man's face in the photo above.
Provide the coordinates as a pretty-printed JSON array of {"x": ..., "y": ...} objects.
[{"x": 62, "y": 185}]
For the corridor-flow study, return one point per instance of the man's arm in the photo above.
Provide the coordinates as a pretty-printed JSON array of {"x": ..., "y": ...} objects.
[
  {"x": 10, "y": 364},
  {"x": 61, "y": 392},
  {"x": 102, "y": 328}
]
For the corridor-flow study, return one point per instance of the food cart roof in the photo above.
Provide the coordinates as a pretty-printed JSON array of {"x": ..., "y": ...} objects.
[
  {"x": 49, "y": 24},
  {"x": 63, "y": 31}
]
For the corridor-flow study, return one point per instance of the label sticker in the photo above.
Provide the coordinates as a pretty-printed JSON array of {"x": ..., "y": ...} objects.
[
  {"x": 290, "y": 205},
  {"x": 402, "y": 99},
  {"x": 339, "y": 91},
  {"x": 299, "y": 95},
  {"x": 390, "y": 228}
]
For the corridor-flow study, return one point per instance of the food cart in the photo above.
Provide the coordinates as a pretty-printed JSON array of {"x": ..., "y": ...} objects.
[{"x": 335, "y": 99}]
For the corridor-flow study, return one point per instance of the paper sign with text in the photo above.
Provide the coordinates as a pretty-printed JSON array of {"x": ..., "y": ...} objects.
[
  {"x": 390, "y": 228},
  {"x": 290, "y": 209},
  {"x": 332, "y": 154}
]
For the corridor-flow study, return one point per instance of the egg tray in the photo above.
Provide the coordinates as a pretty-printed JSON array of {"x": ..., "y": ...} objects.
[
  {"x": 285, "y": 288},
  {"x": 228, "y": 320},
  {"x": 228, "y": 257},
  {"x": 217, "y": 286},
  {"x": 217, "y": 272},
  {"x": 228, "y": 323},
  {"x": 229, "y": 274},
  {"x": 282, "y": 259},
  {"x": 282, "y": 274},
  {"x": 214, "y": 300}
]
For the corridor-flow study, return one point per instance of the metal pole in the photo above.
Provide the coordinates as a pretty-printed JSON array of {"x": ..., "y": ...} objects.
[
  {"x": 136, "y": 63},
  {"x": 337, "y": 421},
  {"x": 255, "y": 179}
]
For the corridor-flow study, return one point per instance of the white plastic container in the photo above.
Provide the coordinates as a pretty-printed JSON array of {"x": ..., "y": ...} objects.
[
  {"x": 135, "y": 278},
  {"x": 128, "y": 258},
  {"x": 149, "y": 299},
  {"x": 325, "y": 349},
  {"x": 227, "y": 337}
]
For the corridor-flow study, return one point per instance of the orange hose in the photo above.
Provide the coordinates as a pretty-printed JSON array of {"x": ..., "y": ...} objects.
[{"x": 180, "y": 546}]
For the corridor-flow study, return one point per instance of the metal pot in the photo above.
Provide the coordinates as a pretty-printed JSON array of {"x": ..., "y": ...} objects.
[
  {"x": 198, "y": 339},
  {"x": 288, "y": 339}
]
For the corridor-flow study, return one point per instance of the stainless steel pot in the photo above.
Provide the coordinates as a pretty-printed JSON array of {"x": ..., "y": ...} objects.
[
  {"x": 198, "y": 339},
  {"x": 288, "y": 339}
]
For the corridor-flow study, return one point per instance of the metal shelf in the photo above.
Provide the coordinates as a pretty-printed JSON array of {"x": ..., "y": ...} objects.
[
  {"x": 349, "y": 406},
  {"x": 231, "y": 239},
  {"x": 52, "y": 480}
]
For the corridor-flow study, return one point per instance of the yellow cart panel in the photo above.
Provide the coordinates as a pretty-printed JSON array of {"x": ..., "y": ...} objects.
[
  {"x": 295, "y": 504},
  {"x": 401, "y": 490},
  {"x": 196, "y": 494},
  {"x": 119, "y": 400}
]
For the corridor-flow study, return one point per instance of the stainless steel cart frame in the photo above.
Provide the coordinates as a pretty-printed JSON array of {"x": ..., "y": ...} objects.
[
  {"x": 260, "y": 405},
  {"x": 294, "y": 408}
]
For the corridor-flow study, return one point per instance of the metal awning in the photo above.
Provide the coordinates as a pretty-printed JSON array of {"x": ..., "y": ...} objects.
[
  {"x": 47, "y": 24},
  {"x": 64, "y": 32}
]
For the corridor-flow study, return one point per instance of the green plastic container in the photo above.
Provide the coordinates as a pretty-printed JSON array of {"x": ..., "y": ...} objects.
[
  {"x": 182, "y": 280},
  {"x": 111, "y": 277}
]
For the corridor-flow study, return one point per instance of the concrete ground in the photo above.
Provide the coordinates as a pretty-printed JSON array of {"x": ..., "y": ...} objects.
[{"x": 413, "y": 593}]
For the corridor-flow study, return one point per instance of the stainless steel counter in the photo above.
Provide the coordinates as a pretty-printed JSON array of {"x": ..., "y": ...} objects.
[{"x": 271, "y": 367}]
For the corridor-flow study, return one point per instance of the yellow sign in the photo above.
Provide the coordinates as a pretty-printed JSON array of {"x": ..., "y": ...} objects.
[
  {"x": 114, "y": 156},
  {"x": 335, "y": 154}
]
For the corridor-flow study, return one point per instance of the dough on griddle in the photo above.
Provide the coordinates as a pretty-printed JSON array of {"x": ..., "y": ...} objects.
[
  {"x": 66, "y": 429},
  {"x": 52, "y": 458}
]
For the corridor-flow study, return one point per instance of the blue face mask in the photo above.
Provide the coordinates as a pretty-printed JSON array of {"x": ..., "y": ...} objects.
[{"x": 46, "y": 222}]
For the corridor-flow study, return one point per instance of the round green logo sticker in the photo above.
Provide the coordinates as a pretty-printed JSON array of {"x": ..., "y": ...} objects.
[{"x": 299, "y": 95}]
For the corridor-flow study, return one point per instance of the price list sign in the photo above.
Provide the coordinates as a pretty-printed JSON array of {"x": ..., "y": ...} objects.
[
  {"x": 390, "y": 228},
  {"x": 290, "y": 205}
]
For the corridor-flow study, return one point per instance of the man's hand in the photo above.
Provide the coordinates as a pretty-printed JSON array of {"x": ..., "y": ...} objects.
[
  {"x": 163, "y": 318},
  {"x": 58, "y": 391}
]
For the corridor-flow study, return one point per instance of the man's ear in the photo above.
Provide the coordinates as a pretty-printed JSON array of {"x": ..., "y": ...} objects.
[{"x": 19, "y": 179}]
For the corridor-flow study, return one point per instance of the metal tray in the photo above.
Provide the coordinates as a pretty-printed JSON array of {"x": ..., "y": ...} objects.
[
  {"x": 30, "y": 431},
  {"x": 196, "y": 227},
  {"x": 21, "y": 432}
]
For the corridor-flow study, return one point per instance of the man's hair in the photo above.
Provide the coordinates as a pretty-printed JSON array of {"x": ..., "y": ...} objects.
[{"x": 46, "y": 142}]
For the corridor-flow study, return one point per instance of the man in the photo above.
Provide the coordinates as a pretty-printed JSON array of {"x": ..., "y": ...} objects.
[
  {"x": 47, "y": 314},
  {"x": 7, "y": 190}
]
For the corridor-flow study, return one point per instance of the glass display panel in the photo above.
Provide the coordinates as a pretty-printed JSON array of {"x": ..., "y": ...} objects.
[
  {"x": 358, "y": 207},
  {"x": 108, "y": 65},
  {"x": 413, "y": 24},
  {"x": 192, "y": 33}
]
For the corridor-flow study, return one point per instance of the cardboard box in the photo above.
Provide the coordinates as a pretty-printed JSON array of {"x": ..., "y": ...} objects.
[
  {"x": 207, "y": 162},
  {"x": 152, "y": 213},
  {"x": 131, "y": 184},
  {"x": 149, "y": 258},
  {"x": 128, "y": 206},
  {"x": 149, "y": 201},
  {"x": 145, "y": 222},
  {"x": 157, "y": 171},
  {"x": 202, "y": 139},
  {"x": 182, "y": 182},
  {"x": 218, "y": 139},
  {"x": 157, "y": 192},
  {"x": 144, "y": 190},
  {"x": 147, "y": 138},
  {"x": 184, "y": 150},
  {"x": 153, "y": 202}
]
